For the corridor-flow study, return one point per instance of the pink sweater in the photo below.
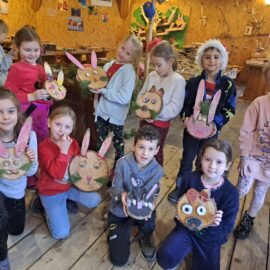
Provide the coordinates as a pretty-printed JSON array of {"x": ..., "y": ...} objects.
[{"x": 255, "y": 131}]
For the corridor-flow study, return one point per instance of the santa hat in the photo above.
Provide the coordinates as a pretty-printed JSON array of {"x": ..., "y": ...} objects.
[{"x": 213, "y": 43}]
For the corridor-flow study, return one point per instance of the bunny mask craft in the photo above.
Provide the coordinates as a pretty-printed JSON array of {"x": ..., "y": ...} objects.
[
  {"x": 14, "y": 163},
  {"x": 95, "y": 76},
  {"x": 55, "y": 88},
  {"x": 89, "y": 171},
  {"x": 196, "y": 210},
  {"x": 149, "y": 104},
  {"x": 200, "y": 125},
  {"x": 140, "y": 201}
]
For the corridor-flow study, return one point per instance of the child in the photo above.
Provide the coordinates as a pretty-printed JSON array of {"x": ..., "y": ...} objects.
[
  {"x": 26, "y": 79},
  {"x": 164, "y": 76},
  {"x": 5, "y": 59},
  {"x": 254, "y": 161},
  {"x": 141, "y": 165},
  {"x": 55, "y": 154},
  {"x": 113, "y": 105},
  {"x": 205, "y": 245},
  {"x": 12, "y": 192},
  {"x": 212, "y": 57}
]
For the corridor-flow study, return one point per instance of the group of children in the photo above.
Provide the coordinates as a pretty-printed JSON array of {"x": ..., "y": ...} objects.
[{"x": 23, "y": 95}]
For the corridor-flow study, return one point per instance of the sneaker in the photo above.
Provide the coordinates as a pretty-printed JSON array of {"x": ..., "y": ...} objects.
[
  {"x": 36, "y": 206},
  {"x": 72, "y": 207},
  {"x": 4, "y": 265},
  {"x": 148, "y": 248},
  {"x": 243, "y": 230},
  {"x": 174, "y": 196}
]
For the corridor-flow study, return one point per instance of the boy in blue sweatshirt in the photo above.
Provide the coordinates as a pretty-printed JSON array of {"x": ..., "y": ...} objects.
[{"x": 139, "y": 166}]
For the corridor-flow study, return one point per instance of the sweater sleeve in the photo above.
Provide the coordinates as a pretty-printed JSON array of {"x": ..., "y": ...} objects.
[
  {"x": 33, "y": 146},
  {"x": 5, "y": 60},
  {"x": 248, "y": 129},
  {"x": 228, "y": 110}
]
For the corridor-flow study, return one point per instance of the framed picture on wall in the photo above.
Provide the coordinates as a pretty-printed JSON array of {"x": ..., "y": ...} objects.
[
  {"x": 4, "y": 6},
  {"x": 104, "y": 3}
]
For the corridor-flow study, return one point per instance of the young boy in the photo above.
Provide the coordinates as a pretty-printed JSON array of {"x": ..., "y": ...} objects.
[
  {"x": 5, "y": 59},
  {"x": 142, "y": 166}
]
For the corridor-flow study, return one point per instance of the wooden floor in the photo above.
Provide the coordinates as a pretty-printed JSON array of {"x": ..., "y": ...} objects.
[{"x": 86, "y": 247}]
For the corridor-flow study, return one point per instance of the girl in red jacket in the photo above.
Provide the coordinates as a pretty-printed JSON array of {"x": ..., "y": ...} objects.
[{"x": 54, "y": 189}]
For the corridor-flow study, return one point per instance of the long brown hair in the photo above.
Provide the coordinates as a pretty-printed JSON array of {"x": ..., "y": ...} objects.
[{"x": 7, "y": 94}]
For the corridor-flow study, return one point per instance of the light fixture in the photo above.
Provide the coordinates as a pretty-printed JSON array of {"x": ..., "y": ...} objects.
[{"x": 267, "y": 2}]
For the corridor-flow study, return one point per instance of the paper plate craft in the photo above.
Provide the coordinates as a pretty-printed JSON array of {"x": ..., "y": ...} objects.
[
  {"x": 54, "y": 87},
  {"x": 94, "y": 76},
  {"x": 196, "y": 210},
  {"x": 89, "y": 171},
  {"x": 140, "y": 201},
  {"x": 149, "y": 104},
  {"x": 200, "y": 125},
  {"x": 14, "y": 163}
]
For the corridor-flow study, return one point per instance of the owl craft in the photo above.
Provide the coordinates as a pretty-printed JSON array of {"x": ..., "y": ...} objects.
[
  {"x": 14, "y": 163},
  {"x": 200, "y": 125},
  {"x": 140, "y": 201},
  {"x": 95, "y": 77},
  {"x": 149, "y": 104},
  {"x": 196, "y": 210},
  {"x": 89, "y": 171},
  {"x": 54, "y": 87}
]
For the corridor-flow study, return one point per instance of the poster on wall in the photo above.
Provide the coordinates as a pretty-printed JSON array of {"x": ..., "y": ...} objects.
[
  {"x": 75, "y": 23},
  {"x": 4, "y": 6},
  {"x": 104, "y": 3}
]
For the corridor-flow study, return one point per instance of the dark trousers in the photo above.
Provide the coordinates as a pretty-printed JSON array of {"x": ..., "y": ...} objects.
[
  {"x": 191, "y": 148},
  {"x": 163, "y": 134},
  {"x": 120, "y": 232},
  {"x": 12, "y": 220},
  {"x": 103, "y": 129},
  {"x": 179, "y": 243}
]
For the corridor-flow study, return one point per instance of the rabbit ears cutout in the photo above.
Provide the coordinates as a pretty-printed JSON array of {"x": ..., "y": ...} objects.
[
  {"x": 22, "y": 140},
  {"x": 48, "y": 71},
  {"x": 159, "y": 92},
  {"x": 77, "y": 63},
  {"x": 103, "y": 149}
]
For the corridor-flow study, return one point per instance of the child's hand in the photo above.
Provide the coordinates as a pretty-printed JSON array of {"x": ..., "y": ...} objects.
[
  {"x": 186, "y": 122},
  {"x": 31, "y": 154},
  {"x": 217, "y": 218},
  {"x": 64, "y": 144},
  {"x": 124, "y": 202},
  {"x": 244, "y": 168},
  {"x": 214, "y": 131},
  {"x": 38, "y": 94},
  {"x": 95, "y": 91}
]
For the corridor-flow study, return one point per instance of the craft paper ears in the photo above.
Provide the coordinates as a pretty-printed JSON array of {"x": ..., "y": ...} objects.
[
  {"x": 22, "y": 140},
  {"x": 48, "y": 71},
  {"x": 77, "y": 63},
  {"x": 103, "y": 149}
]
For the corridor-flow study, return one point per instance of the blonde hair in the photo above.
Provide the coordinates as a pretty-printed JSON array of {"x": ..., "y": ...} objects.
[
  {"x": 3, "y": 27},
  {"x": 165, "y": 51},
  {"x": 136, "y": 51},
  {"x": 63, "y": 111}
]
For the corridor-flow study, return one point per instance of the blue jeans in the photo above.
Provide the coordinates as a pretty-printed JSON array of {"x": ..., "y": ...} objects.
[{"x": 56, "y": 209}]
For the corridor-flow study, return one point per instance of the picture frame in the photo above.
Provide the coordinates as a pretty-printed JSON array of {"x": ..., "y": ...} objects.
[
  {"x": 104, "y": 3},
  {"x": 4, "y": 6}
]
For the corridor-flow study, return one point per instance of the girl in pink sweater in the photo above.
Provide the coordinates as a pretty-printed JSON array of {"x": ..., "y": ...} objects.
[{"x": 254, "y": 164}]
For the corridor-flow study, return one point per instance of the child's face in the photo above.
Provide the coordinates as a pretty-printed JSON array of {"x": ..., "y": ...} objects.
[
  {"x": 29, "y": 52},
  {"x": 60, "y": 126},
  {"x": 124, "y": 52},
  {"x": 2, "y": 36},
  {"x": 145, "y": 151},
  {"x": 162, "y": 67},
  {"x": 211, "y": 61},
  {"x": 214, "y": 164},
  {"x": 8, "y": 116}
]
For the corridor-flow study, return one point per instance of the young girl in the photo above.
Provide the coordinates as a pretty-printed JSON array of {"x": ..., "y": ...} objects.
[
  {"x": 12, "y": 203},
  {"x": 205, "y": 245},
  {"x": 255, "y": 157},
  {"x": 164, "y": 76},
  {"x": 5, "y": 59},
  {"x": 212, "y": 57},
  {"x": 26, "y": 79},
  {"x": 55, "y": 154},
  {"x": 113, "y": 105}
]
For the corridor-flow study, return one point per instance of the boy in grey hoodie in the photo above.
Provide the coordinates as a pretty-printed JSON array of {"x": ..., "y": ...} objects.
[{"x": 138, "y": 168}]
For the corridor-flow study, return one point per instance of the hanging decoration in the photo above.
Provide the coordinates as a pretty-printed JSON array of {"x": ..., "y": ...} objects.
[
  {"x": 105, "y": 17},
  {"x": 92, "y": 10},
  {"x": 62, "y": 5}
]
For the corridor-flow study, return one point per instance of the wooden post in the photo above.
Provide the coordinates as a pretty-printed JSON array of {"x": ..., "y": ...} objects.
[{"x": 149, "y": 38}]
